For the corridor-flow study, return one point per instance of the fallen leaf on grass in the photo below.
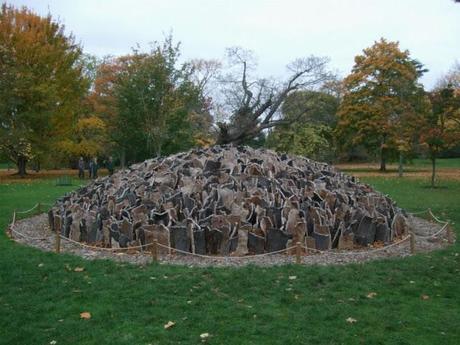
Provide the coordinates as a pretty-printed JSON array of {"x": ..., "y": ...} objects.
[
  {"x": 169, "y": 325},
  {"x": 351, "y": 320},
  {"x": 371, "y": 294},
  {"x": 85, "y": 315},
  {"x": 204, "y": 335},
  {"x": 53, "y": 342},
  {"x": 78, "y": 269},
  {"x": 425, "y": 297},
  {"x": 41, "y": 265},
  {"x": 292, "y": 277}
]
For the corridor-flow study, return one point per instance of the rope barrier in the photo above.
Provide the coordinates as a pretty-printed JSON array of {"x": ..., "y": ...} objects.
[
  {"x": 28, "y": 237},
  {"x": 30, "y": 210},
  {"x": 142, "y": 247},
  {"x": 101, "y": 248},
  {"x": 225, "y": 257},
  {"x": 357, "y": 252},
  {"x": 436, "y": 233}
]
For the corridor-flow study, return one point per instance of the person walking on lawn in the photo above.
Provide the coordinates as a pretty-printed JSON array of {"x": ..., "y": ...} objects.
[{"x": 81, "y": 168}]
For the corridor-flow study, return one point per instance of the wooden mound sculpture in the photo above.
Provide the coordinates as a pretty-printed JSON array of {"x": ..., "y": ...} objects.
[{"x": 228, "y": 200}]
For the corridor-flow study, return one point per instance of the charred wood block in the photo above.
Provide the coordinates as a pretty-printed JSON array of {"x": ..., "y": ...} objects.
[
  {"x": 322, "y": 241},
  {"x": 399, "y": 225},
  {"x": 114, "y": 232},
  {"x": 140, "y": 234},
  {"x": 180, "y": 238},
  {"x": 346, "y": 240},
  {"x": 256, "y": 243},
  {"x": 276, "y": 240},
  {"x": 67, "y": 224},
  {"x": 233, "y": 244},
  {"x": 104, "y": 212},
  {"x": 365, "y": 233},
  {"x": 199, "y": 239},
  {"x": 83, "y": 231},
  {"x": 123, "y": 241},
  {"x": 126, "y": 228},
  {"x": 211, "y": 166},
  {"x": 92, "y": 233},
  {"x": 213, "y": 240},
  {"x": 160, "y": 218},
  {"x": 382, "y": 233},
  {"x": 274, "y": 213}
]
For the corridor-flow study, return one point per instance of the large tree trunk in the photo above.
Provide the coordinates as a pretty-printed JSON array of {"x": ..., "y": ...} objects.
[
  {"x": 158, "y": 150},
  {"x": 21, "y": 163},
  {"x": 433, "y": 170},
  {"x": 383, "y": 163},
  {"x": 400, "y": 167}
]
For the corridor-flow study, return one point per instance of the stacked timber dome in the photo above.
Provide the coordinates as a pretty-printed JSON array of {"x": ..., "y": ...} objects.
[{"x": 228, "y": 200}]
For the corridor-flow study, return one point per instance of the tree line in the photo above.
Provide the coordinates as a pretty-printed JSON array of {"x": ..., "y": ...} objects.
[{"x": 58, "y": 104}]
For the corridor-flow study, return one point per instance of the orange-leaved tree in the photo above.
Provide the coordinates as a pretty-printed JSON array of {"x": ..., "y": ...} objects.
[
  {"x": 41, "y": 84},
  {"x": 441, "y": 128},
  {"x": 381, "y": 97}
]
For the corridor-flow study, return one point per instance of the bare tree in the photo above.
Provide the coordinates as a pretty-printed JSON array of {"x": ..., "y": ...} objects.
[
  {"x": 254, "y": 103},
  {"x": 204, "y": 72}
]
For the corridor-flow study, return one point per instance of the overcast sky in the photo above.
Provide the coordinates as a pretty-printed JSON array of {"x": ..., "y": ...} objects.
[{"x": 277, "y": 31}]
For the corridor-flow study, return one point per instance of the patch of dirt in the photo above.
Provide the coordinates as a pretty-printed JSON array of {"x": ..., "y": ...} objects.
[{"x": 35, "y": 232}]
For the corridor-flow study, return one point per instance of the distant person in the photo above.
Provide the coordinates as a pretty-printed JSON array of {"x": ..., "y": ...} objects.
[
  {"x": 81, "y": 168},
  {"x": 90, "y": 168},
  {"x": 110, "y": 166},
  {"x": 94, "y": 168}
]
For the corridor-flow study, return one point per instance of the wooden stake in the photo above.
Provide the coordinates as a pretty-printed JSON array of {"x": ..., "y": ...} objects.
[
  {"x": 297, "y": 253},
  {"x": 450, "y": 234},
  {"x": 58, "y": 242},
  {"x": 412, "y": 243},
  {"x": 39, "y": 207},
  {"x": 154, "y": 249}
]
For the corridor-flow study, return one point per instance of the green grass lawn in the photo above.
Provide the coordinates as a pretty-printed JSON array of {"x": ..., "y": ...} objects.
[
  {"x": 41, "y": 297},
  {"x": 440, "y": 163}
]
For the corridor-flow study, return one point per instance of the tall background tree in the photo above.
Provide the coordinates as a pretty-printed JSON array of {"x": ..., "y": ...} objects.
[
  {"x": 253, "y": 104},
  {"x": 380, "y": 95},
  {"x": 151, "y": 104},
  {"x": 312, "y": 133},
  {"x": 441, "y": 129},
  {"x": 41, "y": 84}
]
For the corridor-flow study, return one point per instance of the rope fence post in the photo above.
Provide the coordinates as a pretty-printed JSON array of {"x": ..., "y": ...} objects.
[
  {"x": 39, "y": 207},
  {"x": 58, "y": 242},
  {"x": 412, "y": 242},
  {"x": 297, "y": 252},
  {"x": 450, "y": 234},
  {"x": 154, "y": 250}
]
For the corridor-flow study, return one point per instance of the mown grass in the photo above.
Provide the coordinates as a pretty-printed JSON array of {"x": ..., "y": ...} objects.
[
  {"x": 440, "y": 163},
  {"x": 41, "y": 297},
  {"x": 415, "y": 165}
]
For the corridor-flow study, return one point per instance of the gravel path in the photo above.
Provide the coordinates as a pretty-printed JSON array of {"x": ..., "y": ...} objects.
[{"x": 35, "y": 232}]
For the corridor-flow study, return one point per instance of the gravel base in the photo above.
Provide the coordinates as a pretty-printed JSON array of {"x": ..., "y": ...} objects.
[{"x": 36, "y": 233}]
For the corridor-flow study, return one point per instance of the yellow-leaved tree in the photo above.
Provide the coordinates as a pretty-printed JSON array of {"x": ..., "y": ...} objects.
[
  {"x": 383, "y": 101},
  {"x": 41, "y": 84}
]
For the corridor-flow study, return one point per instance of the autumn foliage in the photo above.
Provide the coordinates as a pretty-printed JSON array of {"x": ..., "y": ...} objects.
[{"x": 57, "y": 103}]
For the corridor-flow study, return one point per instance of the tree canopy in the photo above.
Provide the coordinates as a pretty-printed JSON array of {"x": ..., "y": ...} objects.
[
  {"x": 254, "y": 103},
  {"x": 381, "y": 94},
  {"x": 41, "y": 84}
]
